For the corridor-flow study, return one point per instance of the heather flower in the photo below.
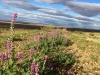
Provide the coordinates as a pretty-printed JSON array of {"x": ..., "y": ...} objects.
[
  {"x": 3, "y": 57},
  {"x": 32, "y": 67},
  {"x": 37, "y": 70},
  {"x": 12, "y": 25},
  {"x": 9, "y": 46},
  {"x": 31, "y": 51},
  {"x": 45, "y": 59},
  {"x": 14, "y": 16},
  {"x": 20, "y": 56}
]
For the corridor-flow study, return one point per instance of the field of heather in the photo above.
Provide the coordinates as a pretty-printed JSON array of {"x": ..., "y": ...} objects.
[{"x": 49, "y": 51}]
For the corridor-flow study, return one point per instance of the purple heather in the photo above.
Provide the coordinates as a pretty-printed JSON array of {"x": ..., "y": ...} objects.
[
  {"x": 31, "y": 51},
  {"x": 32, "y": 67},
  {"x": 14, "y": 16},
  {"x": 20, "y": 56},
  {"x": 3, "y": 57},
  {"x": 9, "y": 46},
  {"x": 37, "y": 70}
]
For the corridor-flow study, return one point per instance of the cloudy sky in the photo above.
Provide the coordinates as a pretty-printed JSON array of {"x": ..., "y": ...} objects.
[{"x": 71, "y": 13}]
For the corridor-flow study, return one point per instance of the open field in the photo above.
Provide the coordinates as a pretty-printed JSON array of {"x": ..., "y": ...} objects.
[{"x": 85, "y": 44}]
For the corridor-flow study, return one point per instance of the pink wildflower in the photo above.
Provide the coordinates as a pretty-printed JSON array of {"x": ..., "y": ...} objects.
[
  {"x": 32, "y": 67},
  {"x": 37, "y": 70},
  {"x": 20, "y": 56},
  {"x": 3, "y": 57},
  {"x": 31, "y": 51},
  {"x": 9, "y": 46},
  {"x": 14, "y": 16}
]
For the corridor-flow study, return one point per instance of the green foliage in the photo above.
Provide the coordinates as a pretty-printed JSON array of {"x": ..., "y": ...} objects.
[{"x": 51, "y": 46}]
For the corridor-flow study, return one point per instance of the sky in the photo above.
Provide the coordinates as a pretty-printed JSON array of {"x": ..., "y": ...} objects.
[{"x": 69, "y": 13}]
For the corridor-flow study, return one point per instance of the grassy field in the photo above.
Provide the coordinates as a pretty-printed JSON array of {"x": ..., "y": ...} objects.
[{"x": 85, "y": 45}]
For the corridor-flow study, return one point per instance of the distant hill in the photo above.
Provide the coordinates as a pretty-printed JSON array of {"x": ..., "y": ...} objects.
[{"x": 19, "y": 24}]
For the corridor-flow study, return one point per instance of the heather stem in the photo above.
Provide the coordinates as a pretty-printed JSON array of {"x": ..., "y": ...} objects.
[{"x": 12, "y": 30}]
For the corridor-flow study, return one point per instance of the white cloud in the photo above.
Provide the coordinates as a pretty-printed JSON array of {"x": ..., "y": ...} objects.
[
  {"x": 24, "y": 4},
  {"x": 54, "y": 1},
  {"x": 83, "y": 8},
  {"x": 55, "y": 12},
  {"x": 86, "y": 9}
]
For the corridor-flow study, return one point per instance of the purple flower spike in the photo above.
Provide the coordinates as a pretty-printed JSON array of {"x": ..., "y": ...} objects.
[
  {"x": 32, "y": 67},
  {"x": 37, "y": 69},
  {"x": 3, "y": 57},
  {"x": 14, "y": 16},
  {"x": 31, "y": 51},
  {"x": 9, "y": 46},
  {"x": 20, "y": 56}
]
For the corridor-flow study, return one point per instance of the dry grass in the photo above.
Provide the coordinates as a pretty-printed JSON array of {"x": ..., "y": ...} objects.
[{"x": 87, "y": 45}]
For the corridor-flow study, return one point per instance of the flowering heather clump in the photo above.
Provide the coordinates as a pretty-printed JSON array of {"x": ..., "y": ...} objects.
[
  {"x": 14, "y": 17},
  {"x": 3, "y": 57},
  {"x": 9, "y": 47},
  {"x": 37, "y": 70},
  {"x": 12, "y": 25},
  {"x": 32, "y": 68},
  {"x": 20, "y": 56}
]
